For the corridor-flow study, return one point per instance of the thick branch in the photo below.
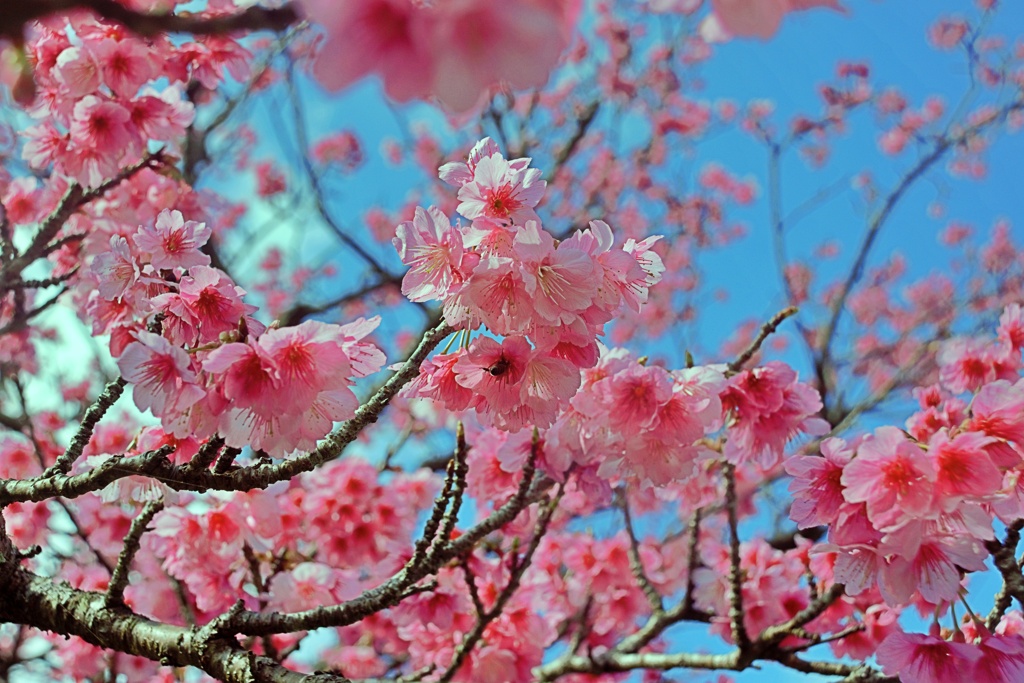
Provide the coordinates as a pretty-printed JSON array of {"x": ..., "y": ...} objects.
[
  {"x": 37, "y": 601},
  {"x": 16, "y": 14}
]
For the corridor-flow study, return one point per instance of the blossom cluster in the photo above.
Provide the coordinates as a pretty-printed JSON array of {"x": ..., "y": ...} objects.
[
  {"x": 329, "y": 528},
  {"x": 911, "y": 510},
  {"x": 213, "y": 368},
  {"x": 769, "y": 406},
  {"x": 638, "y": 421},
  {"x": 179, "y": 328},
  {"x": 630, "y": 421},
  {"x": 549, "y": 300},
  {"x": 99, "y": 101}
]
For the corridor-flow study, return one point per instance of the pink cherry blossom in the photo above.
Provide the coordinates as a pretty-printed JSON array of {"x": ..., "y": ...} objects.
[
  {"x": 305, "y": 368},
  {"x": 309, "y": 358},
  {"x": 560, "y": 280},
  {"x": 162, "y": 376},
  {"x": 654, "y": 461},
  {"x": 127, "y": 65},
  {"x": 433, "y": 251},
  {"x": 817, "y": 488},
  {"x": 458, "y": 173},
  {"x": 305, "y": 586},
  {"x": 501, "y": 192},
  {"x": 479, "y": 44},
  {"x": 117, "y": 269},
  {"x": 270, "y": 181},
  {"x": 634, "y": 397},
  {"x": 163, "y": 115},
  {"x": 79, "y": 71},
  {"x": 174, "y": 242},
  {"x": 207, "y": 304},
  {"x": 634, "y": 291},
  {"x": 947, "y": 32},
  {"x": 892, "y": 475},
  {"x": 342, "y": 148},
  {"x": 363, "y": 356},
  {"x": 548, "y": 384},
  {"x": 495, "y": 371},
  {"x": 249, "y": 375},
  {"x": 929, "y": 564},
  {"x": 998, "y": 411},
  {"x": 497, "y": 293},
  {"x": 918, "y": 658},
  {"x": 21, "y": 201},
  {"x": 44, "y": 145},
  {"x": 455, "y": 51},
  {"x": 437, "y": 380},
  {"x": 770, "y": 407},
  {"x": 439, "y": 607},
  {"x": 103, "y": 125},
  {"x": 967, "y": 364},
  {"x": 1011, "y": 326},
  {"x": 963, "y": 467},
  {"x": 389, "y": 36},
  {"x": 1001, "y": 660},
  {"x": 760, "y": 19}
]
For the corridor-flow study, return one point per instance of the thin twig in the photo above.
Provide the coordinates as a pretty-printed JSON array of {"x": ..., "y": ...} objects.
[
  {"x": 767, "y": 329},
  {"x": 119, "y": 577},
  {"x": 93, "y": 415},
  {"x": 739, "y": 629},
  {"x": 636, "y": 565}
]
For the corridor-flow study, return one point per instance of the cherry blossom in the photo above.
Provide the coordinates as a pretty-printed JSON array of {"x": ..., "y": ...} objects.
[
  {"x": 770, "y": 407},
  {"x": 816, "y": 487},
  {"x": 501, "y": 192},
  {"x": 174, "y": 242},
  {"x": 162, "y": 374},
  {"x": 433, "y": 251},
  {"x": 118, "y": 270},
  {"x": 760, "y": 19},
  {"x": 892, "y": 475},
  {"x": 918, "y": 658}
]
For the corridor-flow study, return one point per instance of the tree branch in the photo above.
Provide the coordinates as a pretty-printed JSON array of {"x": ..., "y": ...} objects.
[
  {"x": 37, "y": 601},
  {"x": 119, "y": 577},
  {"x": 766, "y": 330},
  {"x": 17, "y": 14},
  {"x": 1005, "y": 560}
]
